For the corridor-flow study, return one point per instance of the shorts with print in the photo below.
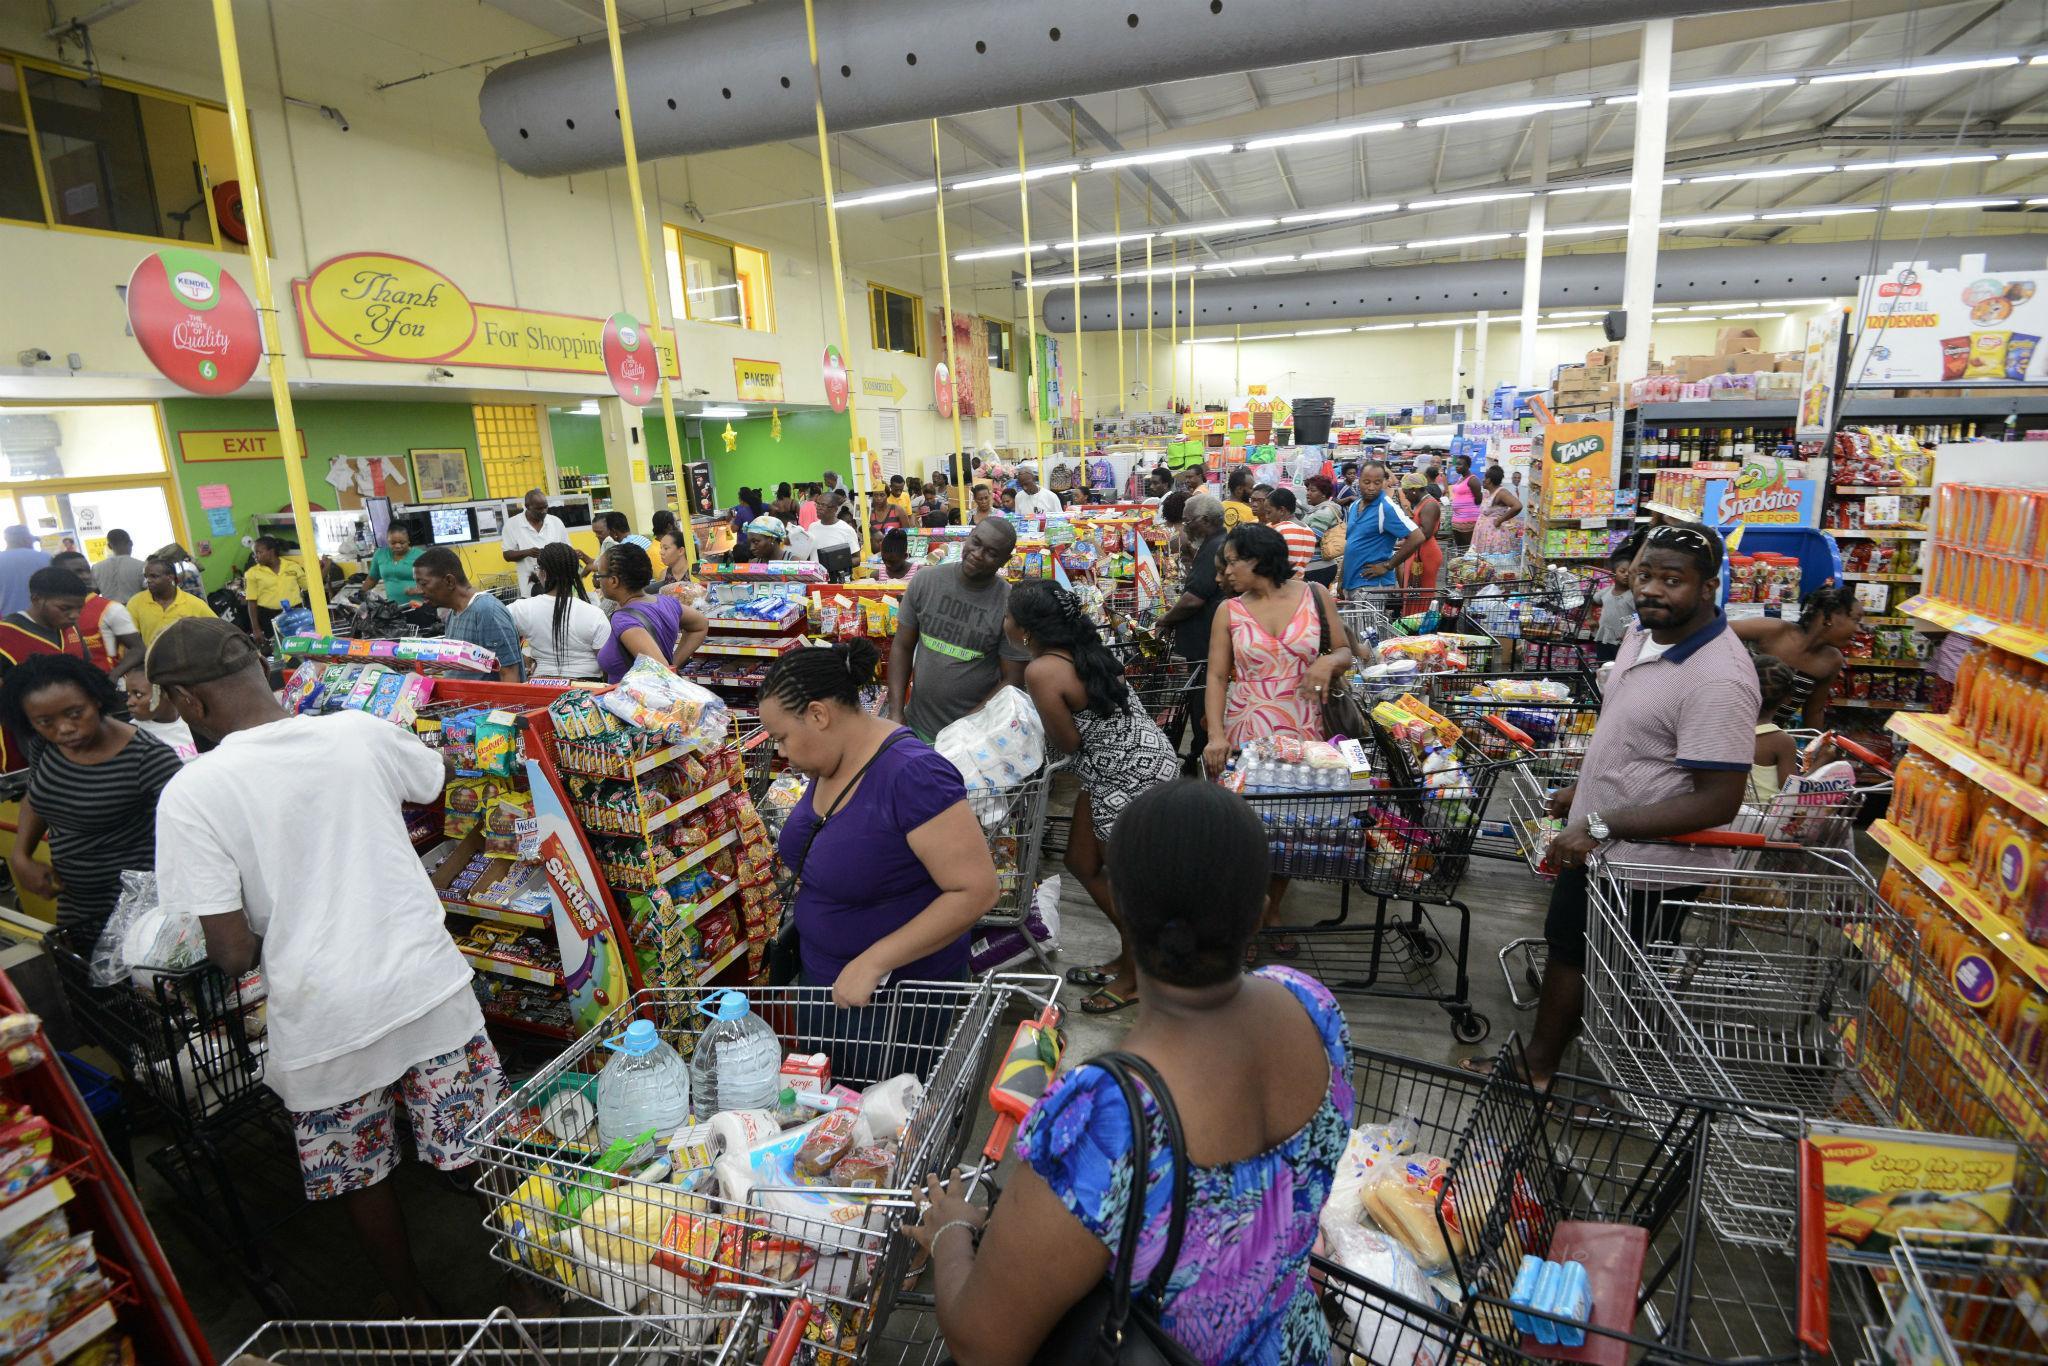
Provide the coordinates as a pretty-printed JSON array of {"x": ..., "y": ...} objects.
[{"x": 354, "y": 1145}]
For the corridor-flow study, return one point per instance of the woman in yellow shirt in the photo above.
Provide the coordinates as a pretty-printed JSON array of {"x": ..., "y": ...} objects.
[
  {"x": 162, "y": 602},
  {"x": 270, "y": 584}
]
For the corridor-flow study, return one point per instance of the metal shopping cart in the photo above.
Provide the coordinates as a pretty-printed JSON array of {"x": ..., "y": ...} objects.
[
  {"x": 1778, "y": 978},
  {"x": 1964, "y": 1297},
  {"x": 1014, "y": 821},
  {"x": 653, "y": 1247},
  {"x": 758, "y": 1331},
  {"x": 1400, "y": 836},
  {"x": 1372, "y": 618},
  {"x": 189, "y": 1045},
  {"x": 1561, "y": 1174}
]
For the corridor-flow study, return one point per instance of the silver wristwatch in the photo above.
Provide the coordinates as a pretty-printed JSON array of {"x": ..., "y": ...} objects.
[{"x": 1597, "y": 827}]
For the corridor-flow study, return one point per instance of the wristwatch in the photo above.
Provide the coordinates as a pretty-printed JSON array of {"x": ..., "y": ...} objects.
[{"x": 1596, "y": 827}]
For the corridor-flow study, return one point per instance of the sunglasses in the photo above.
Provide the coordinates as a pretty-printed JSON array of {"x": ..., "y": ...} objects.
[{"x": 1686, "y": 538}]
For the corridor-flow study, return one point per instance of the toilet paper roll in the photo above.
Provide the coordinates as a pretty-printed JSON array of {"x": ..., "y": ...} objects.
[
  {"x": 886, "y": 1107},
  {"x": 736, "y": 1131}
]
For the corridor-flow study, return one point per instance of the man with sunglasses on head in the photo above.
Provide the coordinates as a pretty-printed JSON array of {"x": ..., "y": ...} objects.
[{"x": 1669, "y": 756}]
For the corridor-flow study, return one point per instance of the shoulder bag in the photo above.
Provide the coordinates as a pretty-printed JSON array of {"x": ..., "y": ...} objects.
[
  {"x": 1341, "y": 712},
  {"x": 785, "y": 954},
  {"x": 1109, "y": 1326}
]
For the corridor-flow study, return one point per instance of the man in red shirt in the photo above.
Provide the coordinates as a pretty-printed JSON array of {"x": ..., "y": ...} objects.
[
  {"x": 112, "y": 641},
  {"x": 1277, "y": 512}
]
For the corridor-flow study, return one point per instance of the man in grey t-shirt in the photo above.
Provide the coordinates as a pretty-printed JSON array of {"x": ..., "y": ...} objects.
[
  {"x": 950, "y": 652},
  {"x": 118, "y": 575}
]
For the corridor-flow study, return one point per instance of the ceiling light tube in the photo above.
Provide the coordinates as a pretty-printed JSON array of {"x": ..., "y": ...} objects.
[
  {"x": 1157, "y": 272},
  {"x": 1552, "y": 327},
  {"x": 1011, "y": 177},
  {"x": 722, "y": 412},
  {"x": 887, "y": 196},
  {"x": 1703, "y": 308},
  {"x": 1915, "y": 163},
  {"x": 1740, "y": 317},
  {"x": 1504, "y": 111},
  {"x": 1207, "y": 341},
  {"x": 1707, "y": 220},
  {"x": 1323, "y": 135},
  {"x": 1597, "y": 187},
  {"x": 1227, "y": 225},
  {"x": 1582, "y": 230},
  {"x": 1247, "y": 262},
  {"x": 1449, "y": 322},
  {"x": 1106, "y": 240},
  {"x": 1766, "y": 173},
  {"x": 997, "y": 253},
  {"x": 1156, "y": 157},
  {"x": 1457, "y": 241},
  {"x": 1336, "y": 253},
  {"x": 1926, "y": 205},
  {"x": 1320, "y": 331},
  {"x": 1452, "y": 201},
  {"x": 1830, "y": 212},
  {"x": 1332, "y": 215},
  {"x": 1580, "y": 313},
  {"x": 1902, "y": 73},
  {"x": 1794, "y": 303},
  {"x": 1049, "y": 281},
  {"x": 1692, "y": 92},
  {"x": 2026, "y": 156},
  {"x": 1385, "y": 327}
]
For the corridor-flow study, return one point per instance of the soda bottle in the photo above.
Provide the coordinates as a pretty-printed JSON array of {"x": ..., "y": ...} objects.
[{"x": 1966, "y": 679}]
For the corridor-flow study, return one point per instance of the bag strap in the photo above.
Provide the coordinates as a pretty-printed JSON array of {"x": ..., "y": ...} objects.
[
  {"x": 796, "y": 872},
  {"x": 1325, "y": 607},
  {"x": 1127, "y": 1069}
]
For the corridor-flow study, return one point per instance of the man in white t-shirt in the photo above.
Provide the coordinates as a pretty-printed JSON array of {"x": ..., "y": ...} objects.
[
  {"x": 524, "y": 536},
  {"x": 1033, "y": 501},
  {"x": 834, "y": 532},
  {"x": 369, "y": 1000}
]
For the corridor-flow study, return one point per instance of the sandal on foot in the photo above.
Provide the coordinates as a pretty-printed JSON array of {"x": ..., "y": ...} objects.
[
  {"x": 1088, "y": 977},
  {"x": 1106, "y": 1002}
]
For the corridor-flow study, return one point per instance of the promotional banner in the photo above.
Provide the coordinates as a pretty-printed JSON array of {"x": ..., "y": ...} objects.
[
  {"x": 372, "y": 306},
  {"x": 629, "y": 359},
  {"x": 1950, "y": 326},
  {"x": 193, "y": 321},
  {"x": 595, "y": 971},
  {"x": 838, "y": 389},
  {"x": 1577, "y": 461},
  {"x": 1817, "y": 374},
  {"x": 1879, "y": 1181},
  {"x": 1761, "y": 494}
]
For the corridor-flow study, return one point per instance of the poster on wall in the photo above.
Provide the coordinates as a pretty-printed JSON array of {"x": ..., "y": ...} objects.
[
  {"x": 1951, "y": 327},
  {"x": 441, "y": 475},
  {"x": 838, "y": 389},
  {"x": 193, "y": 321},
  {"x": 942, "y": 389},
  {"x": 629, "y": 359},
  {"x": 1819, "y": 369}
]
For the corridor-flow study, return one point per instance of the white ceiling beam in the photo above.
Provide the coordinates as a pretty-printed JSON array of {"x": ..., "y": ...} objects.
[
  {"x": 1286, "y": 179},
  {"x": 1847, "y": 38},
  {"x": 1870, "y": 90}
]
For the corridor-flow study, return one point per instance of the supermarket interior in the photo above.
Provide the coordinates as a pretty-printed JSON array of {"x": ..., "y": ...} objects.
[{"x": 658, "y": 662}]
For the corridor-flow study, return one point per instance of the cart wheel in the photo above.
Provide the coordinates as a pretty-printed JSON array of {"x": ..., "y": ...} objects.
[
  {"x": 1471, "y": 1027},
  {"x": 271, "y": 1297},
  {"x": 1427, "y": 949}
]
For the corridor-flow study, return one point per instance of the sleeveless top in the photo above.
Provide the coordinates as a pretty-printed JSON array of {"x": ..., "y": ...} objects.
[
  {"x": 1266, "y": 672},
  {"x": 1464, "y": 503}
]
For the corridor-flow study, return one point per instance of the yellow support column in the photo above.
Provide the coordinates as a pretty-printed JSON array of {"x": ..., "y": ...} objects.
[
  {"x": 1074, "y": 273},
  {"x": 858, "y": 448},
  {"x": 946, "y": 298},
  {"x": 668, "y": 402},
  {"x": 1036, "y": 408},
  {"x": 266, "y": 309},
  {"x": 1116, "y": 231}
]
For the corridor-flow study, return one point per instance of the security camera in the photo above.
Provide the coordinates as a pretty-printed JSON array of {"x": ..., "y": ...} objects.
[
  {"x": 437, "y": 373},
  {"x": 34, "y": 355}
]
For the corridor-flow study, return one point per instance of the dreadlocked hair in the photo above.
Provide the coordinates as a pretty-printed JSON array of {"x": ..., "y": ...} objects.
[
  {"x": 1816, "y": 607},
  {"x": 834, "y": 673},
  {"x": 1052, "y": 616}
]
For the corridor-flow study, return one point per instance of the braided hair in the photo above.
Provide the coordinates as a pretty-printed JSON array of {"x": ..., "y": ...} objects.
[
  {"x": 1052, "y": 616},
  {"x": 833, "y": 673},
  {"x": 630, "y": 565},
  {"x": 1816, "y": 607},
  {"x": 561, "y": 573}
]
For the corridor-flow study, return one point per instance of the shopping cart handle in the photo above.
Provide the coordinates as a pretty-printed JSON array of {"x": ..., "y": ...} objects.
[
  {"x": 1732, "y": 839},
  {"x": 1857, "y": 752},
  {"x": 1511, "y": 730},
  {"x": 790, "y": 1336},
  {"x": 1813, "y": 1252}
]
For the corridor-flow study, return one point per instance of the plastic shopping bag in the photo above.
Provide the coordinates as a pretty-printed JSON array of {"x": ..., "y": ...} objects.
[
  {"x": 998, "y": 746},
  {"x": 141, "y": 935}
]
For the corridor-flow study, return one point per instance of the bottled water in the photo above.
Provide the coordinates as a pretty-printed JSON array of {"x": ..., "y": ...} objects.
[
  {"x": 738, "y": 1063},
  {"x": 646, "y": 1085}
]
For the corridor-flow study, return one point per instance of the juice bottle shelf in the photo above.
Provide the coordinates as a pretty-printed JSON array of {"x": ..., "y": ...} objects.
[
  {"x": 1953, "y": 747},
  {"x": 1950, "y": 889},
  {"x": 1947, "y": 615}
]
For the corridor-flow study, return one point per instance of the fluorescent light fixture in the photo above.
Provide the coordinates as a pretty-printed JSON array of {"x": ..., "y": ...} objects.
[
  {"x": 1451, "y": 201},
  {"x": 887, "y": 196},
  {"x": 1597, "y": 187},
  {"x": 1247, "y": 262},
  {"x": 1914, "y": 163},
  {"x": 1833, "y": 211},
  {"x": 1385, "y": 327},
  {"x": 1051, "y": 281},
  {"x": 1580, "y": 313},
  {"x": 1322, "y": 135},
  {"x": 1708, "y": 220},
  {"x": 721, "y": 412},
  {"x": 1457, "y": 241},
  {"x": 587, "y": 408},
  {"x": 1156, "y": 157},
  {"x": 1106, "y": 240},
  {"x": 1902, "y": 73},
  {"x": 1552, "y": 327},
  {"x": 995, "y": 253},
  {"x": 1583, "y": 230},
  {"x": 1676, "y": 308},
  {"x": 1011, "y": 177},
  {"x": 2036, "y": 203},
  {"x": 2026, "y": 156},
  {"x": 1692, "y": 92},
  {"x": 1925, "y": 205},
  {"x": 2042, "y": 60},
  {"x": 1157, "y": 272},
  {"x": 1450, "y": 322},
  {"x": 1351, "y": 211},
  {"x": 1794, "y": 303},
  {"x": 1765, "y": 173},
  {"x": 1319, "y": 332},
  {"x": 1227, "y": 225},
  {"x": 1504, "y": 111},
  {"x": 1206, "y": 341},
  {"x": 1703, "y": 308},
  {"x": 1336, "y": 253},
  {"x": 1739, "y": 317}
]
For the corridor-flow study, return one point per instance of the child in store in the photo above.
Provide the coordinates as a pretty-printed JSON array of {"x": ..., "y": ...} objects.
[
  {"x": 1777, "y": 755},
  {"x": 1617, "y": 604}
]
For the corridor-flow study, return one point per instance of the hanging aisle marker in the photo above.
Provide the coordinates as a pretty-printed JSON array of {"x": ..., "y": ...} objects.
[
  {"x": 949, "y": 400},
  {"x": 1039, "y": 368},
  {"x": 856, "y": 449},
  {"x": 288, "y": 443},
  {"x": 668, "y": 401}
]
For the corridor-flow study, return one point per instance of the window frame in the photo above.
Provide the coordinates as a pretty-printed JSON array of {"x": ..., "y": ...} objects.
[
  {"x": 23, "y": 63},
  {"x": 1009, "y": 348},
  {"x": 878, "y": 313},
  {"x": 679, "y": 282}
]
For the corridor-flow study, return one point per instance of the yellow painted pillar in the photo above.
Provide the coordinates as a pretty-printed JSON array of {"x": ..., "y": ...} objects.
[
  {"x": 1036, "y": 408},
  {"x": 1074, "y": 274}
]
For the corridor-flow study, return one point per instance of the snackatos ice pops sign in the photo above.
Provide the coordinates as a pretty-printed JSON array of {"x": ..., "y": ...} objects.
[
  {"x": 1761, "y": 495},
  {"x": 370, "y": 305}
]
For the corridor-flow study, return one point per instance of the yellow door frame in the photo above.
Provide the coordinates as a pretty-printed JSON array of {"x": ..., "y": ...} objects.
[{"x": 165, "y": 479}]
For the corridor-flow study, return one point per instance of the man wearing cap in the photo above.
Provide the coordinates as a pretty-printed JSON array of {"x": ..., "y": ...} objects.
[
  {"x": 370, "y": 1003},
  {"x": 1670, "y": 755}
]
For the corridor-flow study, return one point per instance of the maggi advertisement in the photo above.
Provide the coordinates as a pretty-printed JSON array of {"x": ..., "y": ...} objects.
[
  {"x": 368, "y": 305},
  {"x": 1879, "y": 1181}
]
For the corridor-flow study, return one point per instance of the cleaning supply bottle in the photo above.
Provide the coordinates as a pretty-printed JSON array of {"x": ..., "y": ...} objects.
[
  {"x": 646, "y": 1085},
  {"x": 738, "y": 1062}
]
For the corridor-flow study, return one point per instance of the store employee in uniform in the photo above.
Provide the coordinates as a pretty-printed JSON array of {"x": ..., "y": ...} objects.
[
  {"x": 48, "y": 627},
  {"x": 524, "y": 536},
  {"x": 271, "y": 584},
  {"x": 1378, "y": 536}
]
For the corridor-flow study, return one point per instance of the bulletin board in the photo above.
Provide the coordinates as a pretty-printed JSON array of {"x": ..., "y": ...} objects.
[{"x": 441, "y": 475}]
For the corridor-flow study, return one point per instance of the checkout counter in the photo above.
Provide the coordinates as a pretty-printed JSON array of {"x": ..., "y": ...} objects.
[{"x": 472, "y": 530}]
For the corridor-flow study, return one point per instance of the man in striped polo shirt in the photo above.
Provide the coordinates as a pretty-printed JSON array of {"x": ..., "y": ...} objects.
[
  {"x": 1669, "y": 756},
  {"x": 1279, "y": 513}
]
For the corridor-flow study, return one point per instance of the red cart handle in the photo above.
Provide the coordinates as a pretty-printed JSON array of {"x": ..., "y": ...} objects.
[
  {"x": 1857, "y": 752},
  {"x": 790, "y": 1335},
  {"x": 1510, "y": 729},
  {"x": 1813, "y": 1252},
  {"x": 1732, "y": 839}
]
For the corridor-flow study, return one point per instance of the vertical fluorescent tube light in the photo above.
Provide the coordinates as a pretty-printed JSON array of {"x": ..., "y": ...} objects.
[
  {"x": 1532, "y": 249},
  {"x": 1646, "y": 198}
]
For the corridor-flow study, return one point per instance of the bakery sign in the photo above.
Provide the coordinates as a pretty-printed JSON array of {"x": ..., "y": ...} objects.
[{"x": 370, "y": 305}]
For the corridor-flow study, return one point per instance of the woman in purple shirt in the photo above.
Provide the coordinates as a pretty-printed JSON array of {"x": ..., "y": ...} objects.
[{"x": 643, "y": 623}]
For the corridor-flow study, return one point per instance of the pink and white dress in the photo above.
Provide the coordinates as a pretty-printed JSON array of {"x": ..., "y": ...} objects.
[{"x": 1266, "y": 672}]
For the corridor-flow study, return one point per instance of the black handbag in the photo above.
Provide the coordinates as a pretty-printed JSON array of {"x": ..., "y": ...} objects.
[
  {"x": 1341, "y": 713},
  {"x": 1109, "y": 1326},
  {"x": 785, "y": 954}
]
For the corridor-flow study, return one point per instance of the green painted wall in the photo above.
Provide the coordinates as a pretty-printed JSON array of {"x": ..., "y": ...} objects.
[
  {"x": 342, "y": 428},
  {"x": 579, "y": 442},
  {"x": 812, "y": 442}
]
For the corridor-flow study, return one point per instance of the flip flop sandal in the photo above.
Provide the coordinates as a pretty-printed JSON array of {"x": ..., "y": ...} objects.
[
  {"x": 1088, "y": 977},
  {"x": 1106, "y": 1002}
]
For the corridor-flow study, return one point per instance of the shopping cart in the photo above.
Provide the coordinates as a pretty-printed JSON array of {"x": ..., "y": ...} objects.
[
  {"x": 1562, "y": 1174},
  {"x": 1779, "y": 979},
  {"x": 634, "y": 1241},
  {"x": 189, "y": 1045},
  {"x": 759, "y": 1331},
  {"x": 1014, "y": 821},
  {"x": 1400, "y": 836},
  {"x": 1964, "y": 1297},
  {"x": 1371, "y": 619}
]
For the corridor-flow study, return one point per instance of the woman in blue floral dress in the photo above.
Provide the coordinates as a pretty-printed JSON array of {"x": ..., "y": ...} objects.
[{"x": 1257, "y": 1066}]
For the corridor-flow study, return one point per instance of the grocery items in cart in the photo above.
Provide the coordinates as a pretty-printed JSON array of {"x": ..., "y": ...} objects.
[
  {"x": 737, "y": 1058},
  {"x": 646, "y": 1086}
]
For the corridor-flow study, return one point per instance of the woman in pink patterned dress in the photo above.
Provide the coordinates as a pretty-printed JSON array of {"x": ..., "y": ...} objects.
[{"x": 1269, "y": 673}]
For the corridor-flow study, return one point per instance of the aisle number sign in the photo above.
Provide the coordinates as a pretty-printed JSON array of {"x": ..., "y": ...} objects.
[{"x": 370, "y": 305}]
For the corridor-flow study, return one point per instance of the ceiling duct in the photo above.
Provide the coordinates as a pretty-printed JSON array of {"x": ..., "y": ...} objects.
[
  {"x": 742, "y": 77},
  {"x": 1693, "y": 275}
]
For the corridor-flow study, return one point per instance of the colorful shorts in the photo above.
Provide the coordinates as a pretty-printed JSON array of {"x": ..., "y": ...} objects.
[{"x": 354, "y": 1145}]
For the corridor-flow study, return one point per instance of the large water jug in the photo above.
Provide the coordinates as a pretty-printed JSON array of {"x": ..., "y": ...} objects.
[
  {"x": 646, "y": 1085},
  {"x": 738, "y": 1063}
]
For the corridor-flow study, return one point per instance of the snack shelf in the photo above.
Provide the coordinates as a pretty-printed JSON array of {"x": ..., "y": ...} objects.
[
  {"x": 737, "y": 650},
  {"x": 1903, "y": 490},
  {"x": 525, "y": 972},
  {"x": 1866, "y": 704},
  {"x": 677, "y": 810},
  {"x": 546, "y": 1031},
  {"x": 1950, "y": 745},
  {"x": 1856, "y": 576},
  {"x": 695, "y": 857},
  {"x": 700, "y": 909},
  {"x": 789, "y": 618},
  {"x": 2017, "y": 639},
  {"x": 1666, "y": 510},
  {"x": 731, "y": 956},
  {"x": 504, "y": 915},
  {"x": 82, "y": 1327},
  {"x": 47, "y": 1194},
  {"x": 1854, "y": 663},
  {"x": 640, "y": 767},
  {"x": 1877, "y": 533},
  {"x": 1963, "y": 899}
]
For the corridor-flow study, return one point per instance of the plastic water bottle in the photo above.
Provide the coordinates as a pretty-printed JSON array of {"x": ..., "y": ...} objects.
[
  {"x": 738, "y": 1063},
  {"x": 646, "y": 1085}
]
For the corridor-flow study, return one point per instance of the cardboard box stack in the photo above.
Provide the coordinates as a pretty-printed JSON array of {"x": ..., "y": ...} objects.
[{"x": 1590, "y": 384}]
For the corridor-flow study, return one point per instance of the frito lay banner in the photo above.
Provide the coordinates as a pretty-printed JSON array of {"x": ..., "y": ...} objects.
[
  {"x": 371, "y": 306},
  {"x": 1947, "y": 326}
]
